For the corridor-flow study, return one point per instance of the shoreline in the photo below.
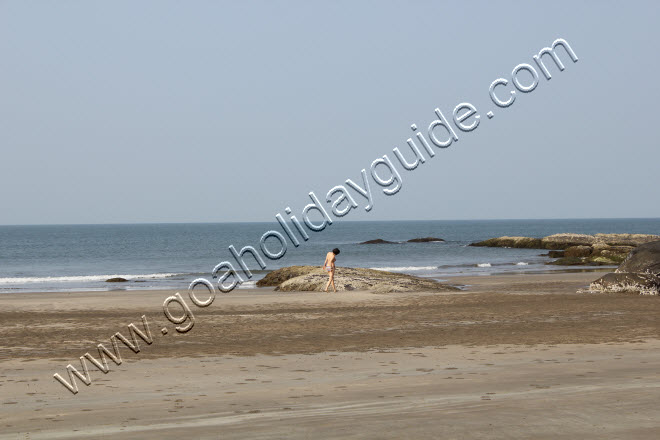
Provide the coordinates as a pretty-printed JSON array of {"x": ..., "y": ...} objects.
[{"x": 130, "y": 286}]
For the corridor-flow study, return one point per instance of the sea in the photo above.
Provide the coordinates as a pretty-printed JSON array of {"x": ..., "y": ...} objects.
[{"x": 169, "y": 256}]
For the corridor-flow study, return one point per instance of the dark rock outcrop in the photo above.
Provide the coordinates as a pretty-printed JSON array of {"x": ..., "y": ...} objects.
[
  {"x": 638, "y": 283},
  {"x": 378, "y": 241},
  {"x": 639, "y": 273},
  {"x": 116, "y": 280},
  {"x": 424, "y": 240},
  {"x": 643, "y": 259}
]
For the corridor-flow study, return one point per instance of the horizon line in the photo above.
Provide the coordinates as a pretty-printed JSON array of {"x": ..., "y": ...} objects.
[{"x": 342, "y": 221}]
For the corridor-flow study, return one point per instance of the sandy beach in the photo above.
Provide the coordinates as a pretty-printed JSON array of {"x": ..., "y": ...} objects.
[{"x": 511, "y": 356}]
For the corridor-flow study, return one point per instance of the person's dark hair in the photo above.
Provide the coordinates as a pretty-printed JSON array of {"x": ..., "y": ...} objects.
[{"x": 335, "y": 251}]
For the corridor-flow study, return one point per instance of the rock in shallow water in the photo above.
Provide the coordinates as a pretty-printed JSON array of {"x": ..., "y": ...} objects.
[
  {"x": 116, "y": 280},
  {"x": 565, "y": 241},
  {"x": 577, "y": 249}
]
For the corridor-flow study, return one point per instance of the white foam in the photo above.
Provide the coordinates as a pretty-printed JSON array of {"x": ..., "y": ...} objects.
[
  {"x": 522, "y": 263},
  {"x": 79, "y": 278},
  {"x": 483, "y": 265},
  {"x": 247, "y": 285},
  {"x": 404, "y": 269}
]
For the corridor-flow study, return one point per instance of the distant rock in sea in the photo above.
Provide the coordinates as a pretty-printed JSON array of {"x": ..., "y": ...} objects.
[
  {"x": 116, "y": 280},
  {"x": 378, "y": 241},
  {"x": 639, "y": 273},
  {"x": 412, "y": 240},
  {"x": 425, "y": 240},
  {"x": 577, "y": 249},
  {"x": 313, "y": 278}
]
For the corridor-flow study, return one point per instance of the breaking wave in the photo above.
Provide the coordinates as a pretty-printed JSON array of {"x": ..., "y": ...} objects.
[
  {"x": 404, "y": 268},
  {"x": 80, "y": 278}
]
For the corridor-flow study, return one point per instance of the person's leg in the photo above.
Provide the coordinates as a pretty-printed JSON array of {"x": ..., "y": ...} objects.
[
  {"x": 332, "y": 280},
  {"x": 329, "y": 280}
]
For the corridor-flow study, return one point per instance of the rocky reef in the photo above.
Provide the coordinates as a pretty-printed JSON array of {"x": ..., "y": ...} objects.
[
  {"x": 639, "y": 273},
  {"x": 313, "y": 278},
  {"x": 511, "y": 242},
  {"x": 577, "y": 249}
]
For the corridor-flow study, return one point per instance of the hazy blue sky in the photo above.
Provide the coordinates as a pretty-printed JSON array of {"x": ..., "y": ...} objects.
[{"x": 161, "y": 111}]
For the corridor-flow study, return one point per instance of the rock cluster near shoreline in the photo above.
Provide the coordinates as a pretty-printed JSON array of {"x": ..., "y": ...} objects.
[
  {"x": 639, "y": 273},
  {"x": 313, "y": 278},
  {"x": 577, "y": 249}
]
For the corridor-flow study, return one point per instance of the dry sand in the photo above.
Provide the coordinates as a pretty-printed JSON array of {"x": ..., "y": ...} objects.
[{"x": 516, "y": 356}]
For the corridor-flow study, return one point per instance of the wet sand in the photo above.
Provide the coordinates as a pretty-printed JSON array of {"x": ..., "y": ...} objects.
[{"x": 512, "y": 356}]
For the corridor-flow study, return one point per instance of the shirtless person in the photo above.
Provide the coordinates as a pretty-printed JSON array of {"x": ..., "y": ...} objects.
[{"x": 329, "y": 266}]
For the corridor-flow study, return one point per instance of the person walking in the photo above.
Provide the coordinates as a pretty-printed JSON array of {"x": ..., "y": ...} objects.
[{"x": 329, "y": 266}]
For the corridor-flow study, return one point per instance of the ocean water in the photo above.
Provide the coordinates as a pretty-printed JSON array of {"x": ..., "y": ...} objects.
[{"x": 155, "y": 256}]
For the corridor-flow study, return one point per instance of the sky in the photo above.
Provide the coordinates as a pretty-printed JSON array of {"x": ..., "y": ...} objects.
[{"x": 199, "y": 111}]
